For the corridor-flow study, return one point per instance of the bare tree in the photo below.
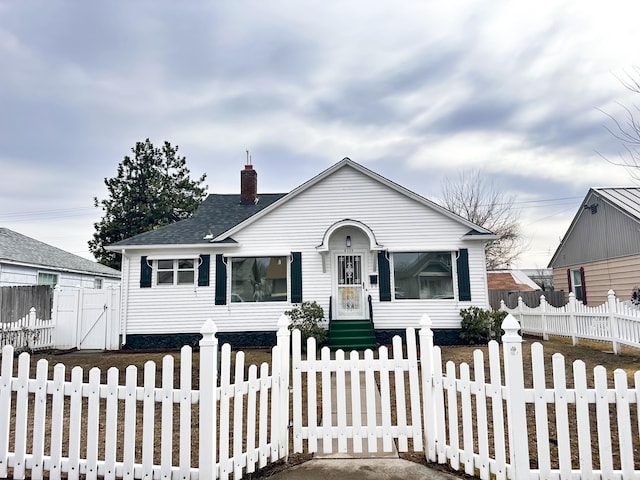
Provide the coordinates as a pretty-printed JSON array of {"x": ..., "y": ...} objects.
[
  {"x": 627, "y": 128},
  {"x": 480, "y": 201}
]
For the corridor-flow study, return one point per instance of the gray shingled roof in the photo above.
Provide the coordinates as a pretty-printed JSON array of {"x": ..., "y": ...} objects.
[
  {"x": 626, "y": 198},
  {"x": 15, "y": 247},
  {"x": 216, "y": 215}
]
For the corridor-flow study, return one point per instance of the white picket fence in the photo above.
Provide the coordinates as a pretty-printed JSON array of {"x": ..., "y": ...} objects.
[
  {"x": 237, "y": 422},
  {"x": 70, "y": 428},
  {"x": 614, "y": 321},
  {"x": 28, "y": 333},
  {"x": 354, "y": 389}
]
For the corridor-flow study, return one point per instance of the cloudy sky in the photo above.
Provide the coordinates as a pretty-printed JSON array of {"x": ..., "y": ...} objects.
[{"x": 417, "y": 91}]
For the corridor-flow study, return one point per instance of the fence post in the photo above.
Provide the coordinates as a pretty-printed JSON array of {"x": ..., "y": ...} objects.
[
  {"x": 284, "y": 350},
  {"x": 520, "y": 308},
  {"x": 503, "y": 307},
  {"x": 54, "y": 316},
  {"x": 429, "y": 418},
  {"x": 32, "y": 328},
  {"x": 516, "y": 408},
  {"x": 572, "y": 318},
  {"x": 208, "y": 401},
  {"x": 543, "y": 308},
  {"x": 79, "y": 309},
  {"x": 613, "y": 321}
]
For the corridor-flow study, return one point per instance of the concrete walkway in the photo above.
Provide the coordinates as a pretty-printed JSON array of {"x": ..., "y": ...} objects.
[
  {"x": 352, "y": 465},
  {"x": 361, "y": 469}
]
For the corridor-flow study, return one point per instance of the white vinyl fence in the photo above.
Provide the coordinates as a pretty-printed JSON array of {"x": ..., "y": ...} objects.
[
  {"x": 81, "y": 318},
  {"x": 28, "y": 333},
  {"x": 476, "y": 418},
  {"x": 86, "y": 318},
  {"x": 71, "y": 428},
  {"x": 350, "y": 390},
  {"x": 614, "y": 321}
]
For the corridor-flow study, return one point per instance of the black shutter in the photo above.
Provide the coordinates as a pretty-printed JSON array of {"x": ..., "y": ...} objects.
[
  {"x": 584, "y": 286},
  {"x": 569, "y": 280},
  {"x": 221, "y": 280},
  {"x": 146, "y": 272},
  {"x": 464, "y": 281},
  {"x": 296, "y": 277},
  {"x": 385, "y": 277},
  {"x": 203, "y": 271}
]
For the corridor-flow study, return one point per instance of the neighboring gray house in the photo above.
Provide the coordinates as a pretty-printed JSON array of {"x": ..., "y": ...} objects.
[
  {"x": 601, "y": 249},
  {"x": 369, "y": 251},
  {"x": 26, "y": 261}
]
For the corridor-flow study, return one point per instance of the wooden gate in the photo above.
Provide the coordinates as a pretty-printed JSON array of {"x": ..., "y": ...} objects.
[{"x": 360, "y": 402}]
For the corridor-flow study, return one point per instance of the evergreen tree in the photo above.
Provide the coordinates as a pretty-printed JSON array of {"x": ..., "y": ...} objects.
[{"x": 151, "y": 190}]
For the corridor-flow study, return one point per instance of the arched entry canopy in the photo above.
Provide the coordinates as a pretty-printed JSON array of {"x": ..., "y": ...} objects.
[{"x": 373, "y": 243}]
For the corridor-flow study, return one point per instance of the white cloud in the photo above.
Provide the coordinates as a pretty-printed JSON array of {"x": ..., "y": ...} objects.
[{"x": 417, "y": 90}]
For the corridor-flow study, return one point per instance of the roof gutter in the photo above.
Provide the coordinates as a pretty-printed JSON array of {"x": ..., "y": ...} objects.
[
  {"x": 60, "y": 269},
  {"x": 181, "y": 246}
]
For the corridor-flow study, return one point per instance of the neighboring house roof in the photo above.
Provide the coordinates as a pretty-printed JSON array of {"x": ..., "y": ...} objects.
[
  {"x": 221, "y": 216},
  {"x": 512, "y": 280},
  {"x": 20, "y": 249},
  {"x": 625, "y": 201}
]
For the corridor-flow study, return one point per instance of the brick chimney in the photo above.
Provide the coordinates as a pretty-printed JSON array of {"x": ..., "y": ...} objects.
[{"x": 248, "y": 185}]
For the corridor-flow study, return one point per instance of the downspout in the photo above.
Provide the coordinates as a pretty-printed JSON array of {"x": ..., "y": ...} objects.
[
  {"x": 124, "y": 297},
  {"x": 457, "y": 284}
]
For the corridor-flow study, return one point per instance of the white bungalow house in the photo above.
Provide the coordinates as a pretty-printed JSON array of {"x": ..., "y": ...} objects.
[{"x": 372, "y": 253}]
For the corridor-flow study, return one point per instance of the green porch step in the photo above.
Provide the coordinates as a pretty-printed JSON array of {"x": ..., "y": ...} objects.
[{"x": 351, "y": 335}]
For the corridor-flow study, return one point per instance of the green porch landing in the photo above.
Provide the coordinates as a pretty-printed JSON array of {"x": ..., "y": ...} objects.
[{"x": 351, "y": 335}]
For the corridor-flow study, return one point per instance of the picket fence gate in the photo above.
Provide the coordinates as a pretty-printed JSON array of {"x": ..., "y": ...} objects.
[
  {"x": 614, "y": 321},
  {"x": 237, "y": 421}
]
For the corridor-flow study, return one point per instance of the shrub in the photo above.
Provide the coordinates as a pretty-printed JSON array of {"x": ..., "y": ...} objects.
[
  {"x": 307, "y": 317},
  {"x": 635, "y": 296},
  {"x": 480, "y": 325}
]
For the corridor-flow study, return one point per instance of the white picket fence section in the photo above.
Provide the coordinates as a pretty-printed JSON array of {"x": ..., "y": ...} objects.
[
  {"x": 69, "y": 428},
  {"x": 614, "y": 321},
  {"x": 28, "y": 333},
  {"x": 476, "y": 418},
  {"x": 334, "y": 383}
]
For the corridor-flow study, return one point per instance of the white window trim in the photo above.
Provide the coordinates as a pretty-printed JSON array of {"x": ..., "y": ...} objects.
[
  {"x": 154, "y": 268},
  {"x": 173, "y": 256}
]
